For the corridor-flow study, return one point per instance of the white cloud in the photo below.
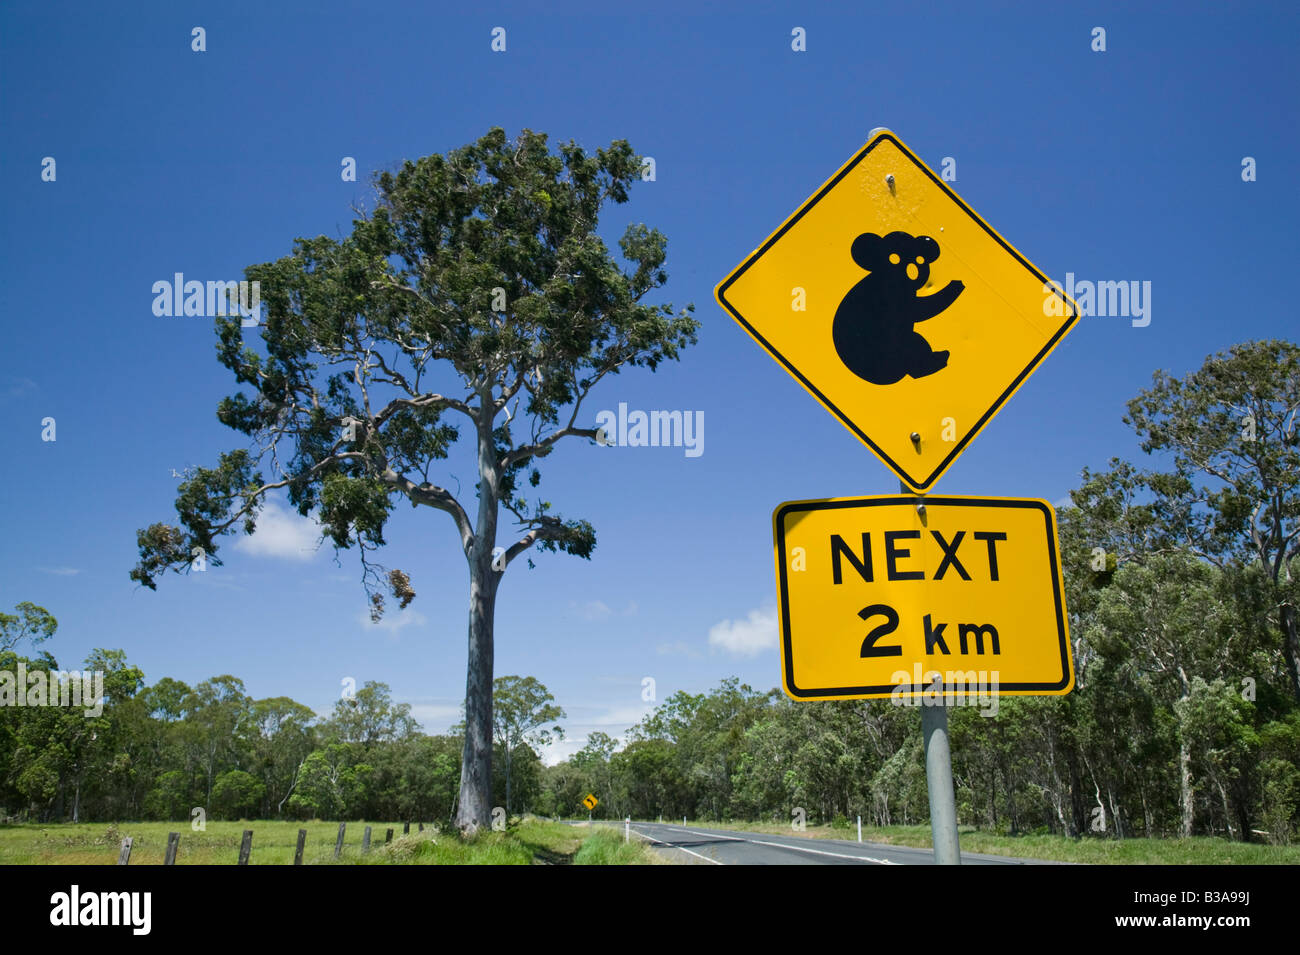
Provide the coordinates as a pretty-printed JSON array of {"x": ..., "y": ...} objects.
[
  {"x": 611, "y": 720},
  {"x": 282, "y": 533},
  {"x": 597, "y": 610},
  {"x": 592, "y": 610},
  {"x": 393, "y": 620},
  {"x": 61, "y": 571},
  {"x": 437, "y": 717},
  {"x": 748, "y": 637},
  {"x": 15, "y": 386},
  {"x": 678, "y": 648}
]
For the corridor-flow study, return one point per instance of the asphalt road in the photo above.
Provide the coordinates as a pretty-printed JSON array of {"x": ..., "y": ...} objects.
[{"x": 693, "y": 845}]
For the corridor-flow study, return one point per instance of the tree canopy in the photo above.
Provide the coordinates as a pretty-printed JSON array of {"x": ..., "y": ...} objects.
[{"x": 476, "y": 299}]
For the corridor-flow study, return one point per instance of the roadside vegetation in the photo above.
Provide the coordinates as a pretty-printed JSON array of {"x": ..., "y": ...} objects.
[{"x": 524, "y": 842}]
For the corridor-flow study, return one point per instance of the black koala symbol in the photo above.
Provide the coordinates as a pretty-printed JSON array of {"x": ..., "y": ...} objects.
[{"x": 873, "y": 329}]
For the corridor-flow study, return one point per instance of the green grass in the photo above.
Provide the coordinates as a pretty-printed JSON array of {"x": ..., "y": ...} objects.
[
  {"x": 528, "y": 842},
  {"x": 1199, "y": 850},
  {"x": 605, "y": 846}
]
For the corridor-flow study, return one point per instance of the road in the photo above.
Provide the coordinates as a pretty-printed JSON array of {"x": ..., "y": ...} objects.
[{"x": 695, "y": 845}]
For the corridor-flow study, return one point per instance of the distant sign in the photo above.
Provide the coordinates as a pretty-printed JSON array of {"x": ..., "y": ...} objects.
[
  {"x": 899, "y": 309},
  {"x": 876, "y": 597},
  {"x": 591, "y": 801}
]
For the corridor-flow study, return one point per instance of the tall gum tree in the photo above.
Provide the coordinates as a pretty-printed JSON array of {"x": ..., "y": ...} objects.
[
  {"x": 476, "y": 299},
  {"x": 1233, "y": 425}
]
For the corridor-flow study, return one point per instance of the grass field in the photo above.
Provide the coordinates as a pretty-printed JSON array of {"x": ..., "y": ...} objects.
[
  {"x": 1201, "y": 850},
  {"x": 530, "y": 842}
]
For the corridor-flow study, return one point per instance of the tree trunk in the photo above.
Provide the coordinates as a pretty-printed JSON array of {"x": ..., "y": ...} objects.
[
  {"x": 1080, "y": 817},
  {"x": 475, "y": 808},
  {"x": 507, "y": 779},
  {"x": 1116, "y": 816},
  {"x": 1227, "y": 813},
  {"x": 1185, "y": 786},
  {"x": 1184, "y": 763},
  {"x": 1291, "y": 645}
]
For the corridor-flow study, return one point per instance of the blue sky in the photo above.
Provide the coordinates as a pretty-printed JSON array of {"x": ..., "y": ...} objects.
[{"x": 1116, "y": 165}]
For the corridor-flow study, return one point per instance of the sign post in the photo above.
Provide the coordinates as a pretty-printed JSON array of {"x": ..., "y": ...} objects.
[
  {"x": 913, "y": 322},
  {"x": 938, "y": 769},
  {"x": 938, "y": 781}
]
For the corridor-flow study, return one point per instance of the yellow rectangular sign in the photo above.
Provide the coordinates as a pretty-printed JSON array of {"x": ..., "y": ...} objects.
[{"x": 876, "y": 597}]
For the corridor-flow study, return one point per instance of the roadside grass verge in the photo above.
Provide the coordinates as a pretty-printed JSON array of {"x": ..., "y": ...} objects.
[
  {"x": 525, "y": 842},
  {"x": 605, "y": 846}
]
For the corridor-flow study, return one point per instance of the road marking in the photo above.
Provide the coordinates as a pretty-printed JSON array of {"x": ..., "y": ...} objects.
[
  {"x": 683, "y": 848},
  {"x": 823, "y": 852},
  {"x": 711, "y": 835},
  {"x": 782, "y": 845}
]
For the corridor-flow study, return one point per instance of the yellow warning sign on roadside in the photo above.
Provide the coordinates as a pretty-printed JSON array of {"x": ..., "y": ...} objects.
[
  {"x": 591, "y": 801},
  {"x": 899, "y": 309},
  {"x": 878, "y": 597}
]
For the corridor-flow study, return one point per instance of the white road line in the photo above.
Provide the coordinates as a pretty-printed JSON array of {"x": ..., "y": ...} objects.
[
  {"x": 711, "y": 835},
  {"x": 823, "y": 852},
  {"x": 683, "y": 848},
  {"x": 782, "y": 845}
]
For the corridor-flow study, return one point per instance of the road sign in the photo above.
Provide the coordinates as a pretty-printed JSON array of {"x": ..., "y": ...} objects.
[
  {"x": 899, "y": 309},
  {"x": 591, "y": 801},
  {"x": 877, "y": 595}
]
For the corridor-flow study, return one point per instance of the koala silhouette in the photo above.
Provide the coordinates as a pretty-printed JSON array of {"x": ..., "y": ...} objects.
[{"x": 874, "y": 330}]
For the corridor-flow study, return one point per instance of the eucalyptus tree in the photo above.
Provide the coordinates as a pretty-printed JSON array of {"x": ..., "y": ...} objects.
[
  {"x": 1233, "y": 423},
  {"x": 476, "y": 299},
  {"x": 524, "y": 711}
]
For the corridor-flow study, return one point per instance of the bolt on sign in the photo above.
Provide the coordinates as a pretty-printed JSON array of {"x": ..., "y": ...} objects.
[
  {"x": 877, "y": 596},
  {"x": 591, "y": 801},
  {"x": 899, "y": 309}
]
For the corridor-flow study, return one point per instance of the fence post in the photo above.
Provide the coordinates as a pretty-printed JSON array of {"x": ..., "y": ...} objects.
[
  {"x": 338, "y": 846},
  {"x": 422, "y": 827},
  {"x": 245, "y": 846},
  {"x": 388, "y": 837},
  {"x": 173, "y": 842},
  {"x": 365, "y": 840},
  {"x": 124, "y": 857},
  {"x": 302, "y": 841},
  {"x": 406, "y": 829}
]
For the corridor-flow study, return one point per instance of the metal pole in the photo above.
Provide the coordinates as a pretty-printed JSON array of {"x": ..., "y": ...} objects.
[
  {"x": 859, "y": 828},
  {"x": 938, "y": 779},
  {"x": 938, "y": 765}
]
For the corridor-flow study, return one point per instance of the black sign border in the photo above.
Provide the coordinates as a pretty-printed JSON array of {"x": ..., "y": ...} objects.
[
  {"x": 787, "y": 670},
  {"x": 960, "y": 446}
]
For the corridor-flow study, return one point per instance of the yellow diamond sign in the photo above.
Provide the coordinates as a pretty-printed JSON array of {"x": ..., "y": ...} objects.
[
  {"x": 902, "y": 311},
  {"x": 591, "y": 801}
]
